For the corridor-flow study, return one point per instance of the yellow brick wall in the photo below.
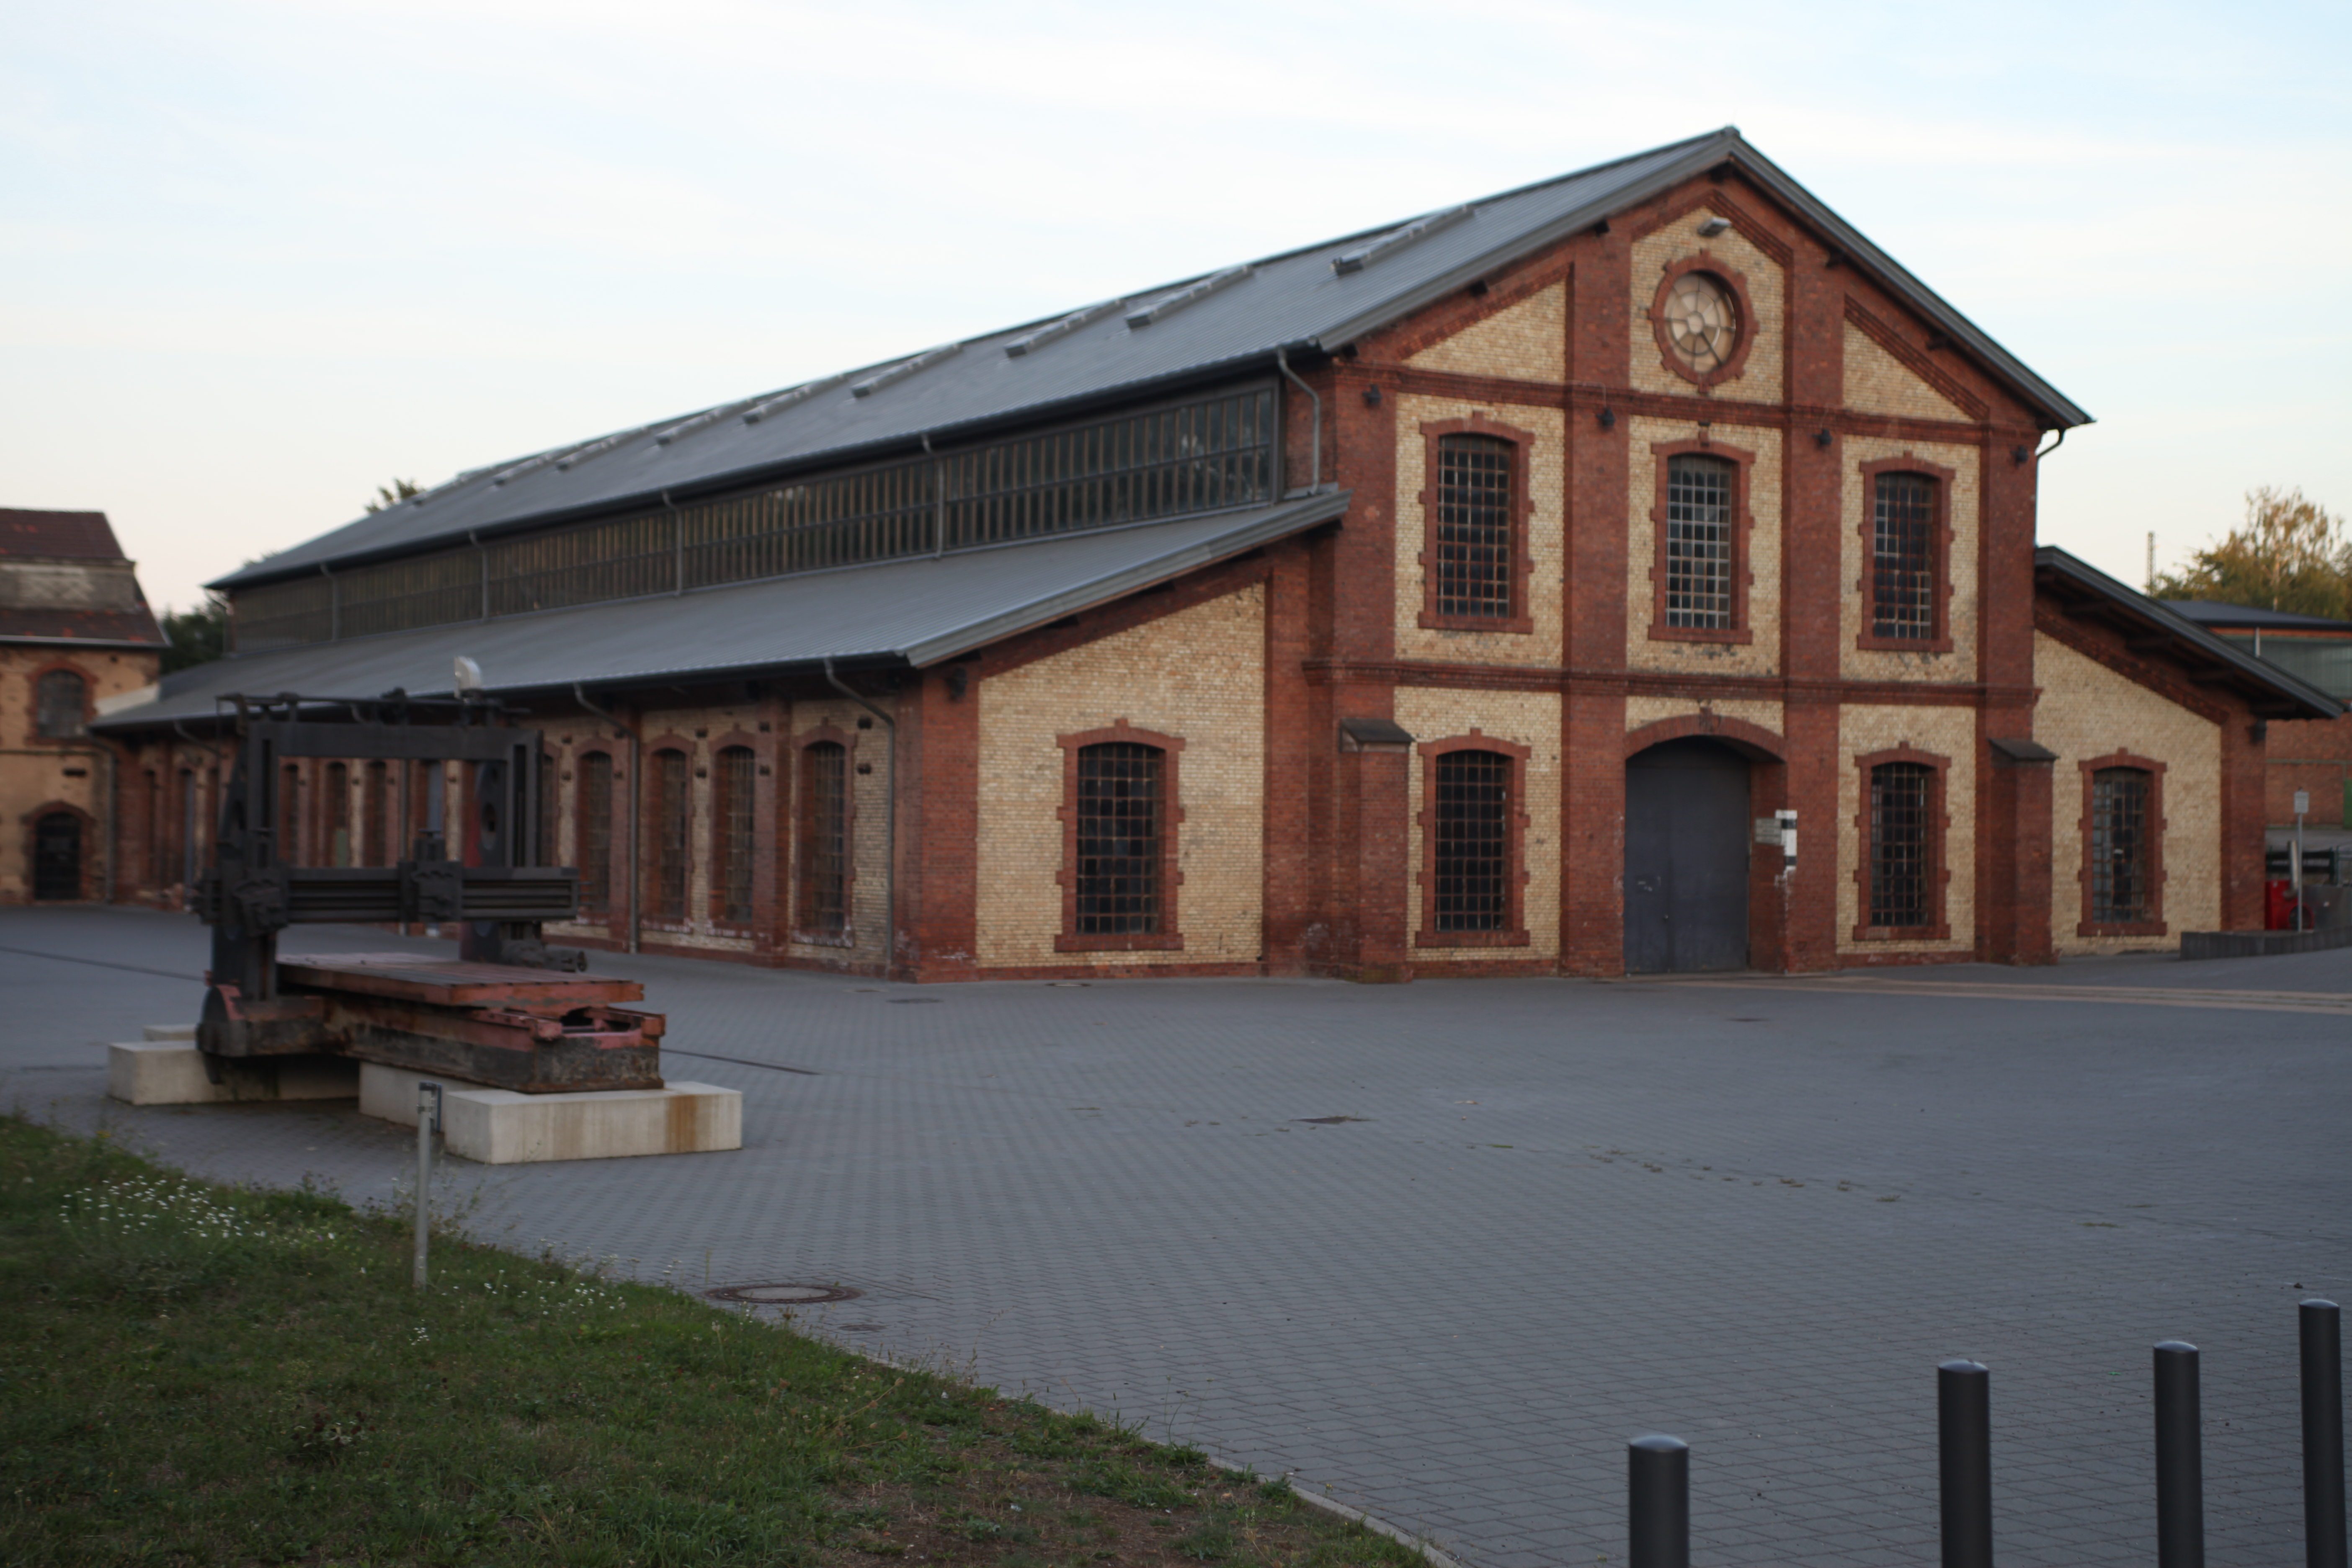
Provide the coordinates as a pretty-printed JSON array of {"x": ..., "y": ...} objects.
[
  {"x": 869, "y": 889},
  {"x": 1878, "y": 383},
  {"x": 1546, "y": 537},
  {"x": 1530, "y": 718},
  {"x": 1759, "y": 377},
  {"x": 1949, "y": 732},
  {"x": 1198, "y": 674},
  {"x": 1526, "y": 341},
  {"x": 28, "y": 782},
  {"x": 2089, "y": 711},
  {"x": 1853, "y": 535},
  {"x": 1760, "y": 657}
]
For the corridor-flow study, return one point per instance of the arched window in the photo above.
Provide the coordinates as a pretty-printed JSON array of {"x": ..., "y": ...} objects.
[
  {"x": 825, "y": 863},
  {"x": 595, "y": 834},
  {"x": 57, "y": 856},
  {"x": 1701, "y": 543},
  {"x": 337, "y": 814},
  {"x": 2123, "y": 848},
  {"x": 671, "y": 811},
  {"x": 61, "y": 705},
  {"x": 1902, "y": 847},
  {"x": 1473, "y": 543},
  {"x": 1907, "y": 545},
  {"x": 732, "y": 798},
  {"x": 1469, "y": 824},
  {"x": 1120, "y": 851},
  {"x": 289, "y": 815},
  {"x": 376, "y": 822}
]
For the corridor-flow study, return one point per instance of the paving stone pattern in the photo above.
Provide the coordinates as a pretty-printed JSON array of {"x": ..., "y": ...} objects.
[{"x": 1571, "y": 1213}]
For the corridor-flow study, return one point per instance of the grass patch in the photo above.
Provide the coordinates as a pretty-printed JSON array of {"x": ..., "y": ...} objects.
[{"x": 193, "y": 1374}]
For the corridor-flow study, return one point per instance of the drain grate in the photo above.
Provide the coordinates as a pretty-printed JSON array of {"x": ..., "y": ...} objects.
[{"x": 784, "y": 1295}]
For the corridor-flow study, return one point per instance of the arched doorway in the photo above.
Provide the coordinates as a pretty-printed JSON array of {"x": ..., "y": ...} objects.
[
  {"x": 57, "y": 855},
  {"x": 1687, "y": 858}
]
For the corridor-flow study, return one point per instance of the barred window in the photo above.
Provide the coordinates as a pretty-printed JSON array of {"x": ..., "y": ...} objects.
[
  {"x": 1901, "y": 865},
  {"x": 289, "y": 815},
  {"x": 1120, "y": 821},
  {"x": 1475, "y": 485},
  {"x": 595, "y": 834},
  {"x": 376, "y": 822},
  {"x": 1699, "y": 542},
  {"x": 337, "y": 814},
  {"x": 1473, "y": 847},
  {"x": 824, "y": 837},
  {"x": 672, "y": 810},
  {"x": 1903, "y": 574},
  {"x": 2122, "y": 841},
  {"x": 731, "y": 821},
  {"x": 61, "y": 702}
]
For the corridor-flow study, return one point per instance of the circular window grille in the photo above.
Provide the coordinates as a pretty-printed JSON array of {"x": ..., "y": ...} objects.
[{"x": 1702, "y": 321}]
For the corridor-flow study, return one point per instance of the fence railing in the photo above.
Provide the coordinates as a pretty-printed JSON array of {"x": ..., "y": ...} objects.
[{"x": 1657, "y": 1466}]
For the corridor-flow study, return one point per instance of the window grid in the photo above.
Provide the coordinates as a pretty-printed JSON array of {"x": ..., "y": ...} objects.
[
  {"x": 337, "y": 814},
  {"x": 824, "y": 837},
  {"x": 2122, "y": 885},
  {"x": 1119, "y": 845},
  {"x": 1901, "y": 797},
  {"x": 1699, "y": 543},
  {"x": 374, "y": 820},
  {"x": 60, "y": 698},
  {"x": 1475, "y": 485},
  {"x": 1473, "y": 847},
  {"x": 1903, "y": 595},
  {"x": 673, "y": 813},
  {"x": 289, "y": 815},
  {"x": 731, "y": 822},
  {"x": 595, "y": 846}
]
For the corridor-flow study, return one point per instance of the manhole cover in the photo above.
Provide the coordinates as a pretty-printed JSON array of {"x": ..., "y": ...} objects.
[
  {"x": 784, "y": 1295},
  {"x": 912, "y": 1001},
  {"x": 861, "y": 1328},
  {"x": 1329, "y": 1120}
]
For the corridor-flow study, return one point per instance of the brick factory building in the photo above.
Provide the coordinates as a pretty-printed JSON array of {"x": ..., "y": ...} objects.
[
  {"x": 75, "y": 637},
  {"x": 1462, "y": 597}
]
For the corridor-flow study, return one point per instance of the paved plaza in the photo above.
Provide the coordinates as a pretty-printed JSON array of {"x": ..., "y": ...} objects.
[{"x": 1562, "y": 1213}]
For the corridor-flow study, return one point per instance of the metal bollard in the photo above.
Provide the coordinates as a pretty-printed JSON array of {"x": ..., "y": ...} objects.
[
  {"x": 2323, "y": 1434},
  {"x": 2179, "y": 1458},
  {"x": 1657, "y": 1502},
  {"x": 428, "y": 1116},
  {"x": 1964, "y": 1453}
]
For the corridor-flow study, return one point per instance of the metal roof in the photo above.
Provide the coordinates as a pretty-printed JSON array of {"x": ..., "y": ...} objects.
[
  {"x": 2206, "y": 612},
  {"x": 2053, "y": 568},
  {"x": 1227, "y": 319},
  {"x": 913, "y": 611}
]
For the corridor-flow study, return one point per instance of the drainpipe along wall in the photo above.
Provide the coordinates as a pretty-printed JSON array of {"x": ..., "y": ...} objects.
[{"x": 581, "y": 695}]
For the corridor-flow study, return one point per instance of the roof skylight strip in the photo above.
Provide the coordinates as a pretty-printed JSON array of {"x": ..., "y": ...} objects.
[
  {"x": 903, "y": 369},
  {"x": 1061, "y": 329},
  {"x": 579, "y": 454},
  {"x": 1168, "y": 304},
  {"x": 1363, "y": 255},
  {"x": 798, "y": 395},
  {"x": 688, "y": 425},
  {"x": 536, "y": 460}
]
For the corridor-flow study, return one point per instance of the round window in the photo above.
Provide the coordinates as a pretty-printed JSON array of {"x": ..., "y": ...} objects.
[{"x": 1702, "y": 321}]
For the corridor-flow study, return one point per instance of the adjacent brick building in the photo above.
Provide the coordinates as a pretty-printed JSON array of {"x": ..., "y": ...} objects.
[
  {"x": 76, "y": 636},
  {"x": 1470, "y": 595}
]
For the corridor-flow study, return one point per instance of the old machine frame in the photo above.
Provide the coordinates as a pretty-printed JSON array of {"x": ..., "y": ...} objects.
[{"x": 510, "y": 1011}]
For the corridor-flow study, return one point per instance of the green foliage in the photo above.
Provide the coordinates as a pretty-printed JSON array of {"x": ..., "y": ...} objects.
[
  {"x": 192, "y": 1373},
  {"x": 2290, "y": 554},
  {"x": 195, "y": 637},
  {"x": 394, "y": 493}
]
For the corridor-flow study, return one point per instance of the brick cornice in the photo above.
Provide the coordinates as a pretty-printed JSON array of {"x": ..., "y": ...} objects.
[
  {"x": 1915, "y": 360},
  {"x": 2160, "y": 678}
]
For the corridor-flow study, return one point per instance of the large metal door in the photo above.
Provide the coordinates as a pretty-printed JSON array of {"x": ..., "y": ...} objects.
[
  {"x": 57, "y": 856},
  {"x": 1686, "y": 857}
]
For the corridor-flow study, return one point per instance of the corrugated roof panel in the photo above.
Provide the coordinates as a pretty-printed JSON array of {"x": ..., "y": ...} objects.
[{"x": 917, "y": 611}]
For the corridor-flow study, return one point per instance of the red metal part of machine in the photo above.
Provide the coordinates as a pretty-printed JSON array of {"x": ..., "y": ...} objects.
[{"x": 534, "y": 1030}]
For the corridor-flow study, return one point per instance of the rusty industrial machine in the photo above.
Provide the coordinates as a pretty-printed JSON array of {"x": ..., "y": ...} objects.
[{"x": 509, "y": 1011}]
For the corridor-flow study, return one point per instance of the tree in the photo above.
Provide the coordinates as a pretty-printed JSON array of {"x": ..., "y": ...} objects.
[
  {"x": 394, "y": 493},
  {"x": 2290, "y": 554},
  {"x": 195, "y": 637}
]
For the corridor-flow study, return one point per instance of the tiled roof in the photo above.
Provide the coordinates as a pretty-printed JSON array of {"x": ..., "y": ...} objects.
[{"x": 65, "y": 535}]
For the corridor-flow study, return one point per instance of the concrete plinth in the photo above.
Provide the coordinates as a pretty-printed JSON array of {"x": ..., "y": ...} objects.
[
  {"x": 171, "y": 1072},
  {"x": 168, "y": 1031},
  {"x": 500, "y": 1127}
]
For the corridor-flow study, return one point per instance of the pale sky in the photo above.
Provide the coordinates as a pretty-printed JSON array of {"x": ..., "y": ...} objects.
[{"x": 258, "y": 258}]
